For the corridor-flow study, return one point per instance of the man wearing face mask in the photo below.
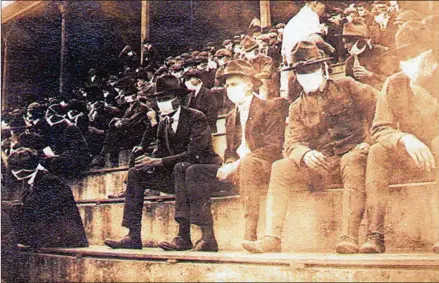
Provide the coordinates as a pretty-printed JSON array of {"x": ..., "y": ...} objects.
[
  {"x": 263, "y": 65},
  {"x": 325, "y": 144},
  {"x": 183, "y": 138},
  {"x": 406, "y": 126},
  {"x": 364, "y": 63},
  {"x": 129, "y": 58},
  {"x": 93, "y": 86},
  {"x": 254, "y": 137},
  {"x": 201, "y": 98},
  {"x": 129, "y": 129}
]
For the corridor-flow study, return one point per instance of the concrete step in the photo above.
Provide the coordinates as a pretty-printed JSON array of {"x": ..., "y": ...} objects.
[
  {"x": 102, "y": 264},
  {"x": 313, "y": 220}
]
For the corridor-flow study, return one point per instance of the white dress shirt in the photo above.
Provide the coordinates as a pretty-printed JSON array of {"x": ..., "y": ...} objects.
[
  {"x": 302, "y": 25},
  {"x": 176, "y": 117},
  {"x": 244, "y": 110}
]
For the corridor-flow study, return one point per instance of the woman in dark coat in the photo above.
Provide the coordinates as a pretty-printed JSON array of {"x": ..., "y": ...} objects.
[{"x": 49, "y": 216}]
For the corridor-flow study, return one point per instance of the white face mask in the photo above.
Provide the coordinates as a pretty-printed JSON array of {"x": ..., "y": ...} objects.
[
  {"x": 130, "y": 53},
  {"x": 250, "y": 55},
  {"x": 190, "y": 86},
  {"x": 382, "y": 19},
  {"x": 129, "y": 98},
  {"x": 237, "y": 94},
  {"x": 418, "y": 67},
  {"x": 106, "y": 93},
  {"x": 311, "y": 82},
  {"x": 166, "y": 107}
]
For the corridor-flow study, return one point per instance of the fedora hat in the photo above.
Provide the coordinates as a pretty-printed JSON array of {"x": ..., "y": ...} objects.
[
  {"x": 412, "y": 39},
  {"x": 249, "y": 44},
  {"x": 240, "y": 68},
  {"x": 193, "y": 73},
  {"x": 306, "y": 54},
  {"x": 357, "y": 28},
  {"x": 168, "y": 84},
  {"x": 23, "y": 158},
  {"x": 223, "y": 53}
]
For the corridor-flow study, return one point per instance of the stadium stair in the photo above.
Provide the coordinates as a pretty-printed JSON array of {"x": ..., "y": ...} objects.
[{"x": 310, "y": 233}]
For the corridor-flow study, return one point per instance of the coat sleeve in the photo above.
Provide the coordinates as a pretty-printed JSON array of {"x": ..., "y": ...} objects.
[
  {"x": 75, "y": 140},
  {"x": 212, "y": 110},
  {"x": 296, "y": 142},
  {"x": 200, "y": 142},
  {"x": 384, "y": 127},
  {"x": 138, "y": 116}
]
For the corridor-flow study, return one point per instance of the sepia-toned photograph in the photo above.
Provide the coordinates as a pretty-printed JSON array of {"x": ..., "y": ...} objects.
[{"x": 219, "y": 141}]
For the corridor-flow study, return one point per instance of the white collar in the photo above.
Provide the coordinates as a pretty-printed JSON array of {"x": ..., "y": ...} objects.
[
  {"x": 176, "y": 115},
  {"x": 246, "y": 104}
]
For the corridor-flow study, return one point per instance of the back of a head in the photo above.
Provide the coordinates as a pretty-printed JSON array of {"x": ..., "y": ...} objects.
[{"x": 23, "y": 158}]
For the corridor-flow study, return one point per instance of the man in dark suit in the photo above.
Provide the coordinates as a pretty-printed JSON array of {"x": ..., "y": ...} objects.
[
  {"x": 201, "y": 97},
  {"x": 183, "y": 136},
  {"x": 254, "y": 141},
  {"x": 93, "y": 86}
]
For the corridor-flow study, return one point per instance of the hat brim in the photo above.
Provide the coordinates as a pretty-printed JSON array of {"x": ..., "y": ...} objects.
[
  {"x": 251, "y": 48},
  {"x": 257, "y": 82},
  {"x": 177, "y": 92},
  {"x": 408, "y": 51},
  {"x": 307, "y": 63},
  {"x": 352, "y": 36}
]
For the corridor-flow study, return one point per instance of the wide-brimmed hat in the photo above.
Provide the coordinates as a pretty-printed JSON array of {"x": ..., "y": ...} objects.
[
  {"x": 249, "y": 44},
  {"x": 412, "y": 39},
  {"x": 306, "y": 54},
  {"x": 356, "y": 28},
  {"x": 223, "y": 53},
  {"x": 240, "y": 68},
  {"x": 23, "y": 158},
  {"x": 193, "y": 73},
  {"x": 168, "y": 84}
]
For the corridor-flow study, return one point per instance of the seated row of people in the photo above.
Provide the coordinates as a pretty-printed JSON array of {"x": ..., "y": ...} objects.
[{"x": 327, "y": 141}]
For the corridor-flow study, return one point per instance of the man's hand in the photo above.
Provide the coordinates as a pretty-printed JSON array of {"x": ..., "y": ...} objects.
[
  {"x": 152, "y": 117},
  {"x": 419, "y": 152},
  {"x": 227, "y": 170},
  {"x": 146, "y": 161},
  {"x": 315, "y": 160},
  {"x": 118, "y": 124},
  {"x": 361, "y": 72},
  {"x": 137, "y": 149}
]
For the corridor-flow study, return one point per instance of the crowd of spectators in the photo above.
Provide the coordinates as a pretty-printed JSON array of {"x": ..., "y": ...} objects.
[{"x": 113, "y": 112}]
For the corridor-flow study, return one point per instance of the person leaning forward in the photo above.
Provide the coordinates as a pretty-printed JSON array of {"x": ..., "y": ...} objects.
[
  {"x": 324, "y": 144},
  {"x": 405, "y": 128},
  {"x": 254, "y": 134},
  {"x": 183, "y": 135}
]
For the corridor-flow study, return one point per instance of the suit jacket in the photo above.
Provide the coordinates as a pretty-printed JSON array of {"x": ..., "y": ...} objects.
[
  {"x": 401, "y": 111},
  {"x": 191, "y": 143},
  {"x": 332, "y": 121},
  {"x": 206, "y": 103},
  {"x": 67, "y": 139},
  {"x": 264, "y": 131},
  {"x": 135, "y": 114}
]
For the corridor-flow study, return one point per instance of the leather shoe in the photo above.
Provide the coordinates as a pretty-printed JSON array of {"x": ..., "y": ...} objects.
[
  {"x": 374, "y": 244},
  {"x": 436, "y": 248},
  {"x": 347, "y": 245},
  {"x": 267, "y": 244},
  {"x": 177, "y": 244},
  {"x": 125, "y": 243},
  {"x": 206, "y": 246}
]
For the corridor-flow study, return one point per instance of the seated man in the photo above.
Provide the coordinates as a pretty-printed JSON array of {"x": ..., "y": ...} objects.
[
  {"x": 201, "y": 98},
  {"x": 325, "y": 144},
  {"x": 130, "y": 128},
  {"x": 183, "y": 136},
  {"x": 364, "y": 63},
  {"x": 254, "y": 140},
  {"x": 406, "y": 126}
]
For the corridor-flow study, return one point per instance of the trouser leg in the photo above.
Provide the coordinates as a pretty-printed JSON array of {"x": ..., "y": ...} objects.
[
  {"x": 353, "y": 172},
  {"x": 286, "y": 176},
  {"x": 138, "y": 181},
  {"x": 254, "y": 175},
  {"x": 182, "y": 205}
]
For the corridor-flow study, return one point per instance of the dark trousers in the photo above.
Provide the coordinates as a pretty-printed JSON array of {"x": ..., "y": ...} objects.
[
  {"x": 122, "y": 138},
  {"x": 194, "y": 185},
  {"x": 383, "y": 166},
  {"x": 157, "y": 178}
]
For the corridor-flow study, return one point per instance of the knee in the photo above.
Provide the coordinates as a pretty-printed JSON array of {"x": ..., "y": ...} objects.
[
  {"x": 192, "y": 173},
  {"x": 181, "y": 167},
  {"x": 357, "y": 157},
  {"x": 378, "y": 152},
  {"x": 283, "y": 168}
]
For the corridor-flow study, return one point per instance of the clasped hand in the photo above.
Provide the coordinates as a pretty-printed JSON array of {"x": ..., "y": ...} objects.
[
  {"x": 315, "y": 160},
  {"x": 146, "y": 161},
  {"x": 360, "y": 72},
  {"x": 227, "y": 170}
]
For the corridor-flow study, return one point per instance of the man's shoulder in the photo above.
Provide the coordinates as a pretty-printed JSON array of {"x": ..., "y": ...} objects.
[
  {"x": 395, "y": 83},
  {"x": 192, "y": 113}
]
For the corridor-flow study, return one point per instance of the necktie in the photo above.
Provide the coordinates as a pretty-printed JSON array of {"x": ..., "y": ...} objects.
[{"x": 168, "y": 130}]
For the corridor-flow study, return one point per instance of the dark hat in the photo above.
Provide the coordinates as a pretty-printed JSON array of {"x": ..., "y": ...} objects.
[
  {"x": 112, "y": 79},
  {"x": 240, "y": 68},
  {"x": 280, "y": 26},
  {"x": 355, "y": 28},
  {"x": 161, "y": 71},
  {"x": 147, "y": 91},
  {"x": 37, "y": 110},
  {"x": 266, "y": 29},
  {"x": 92, "y": 71},
  {"x": 195, "y": 53},
  {"x": 17, "y": 122},
  {"x": 168, "y": 84},
  {"x": 408, "y": 15},
  {"x": 176, "y": 68},
  {"x": 305, "y": 54},
  {"x": 249, "y": 44},
  {"x": 264, "y": 38},
  {"x": 23, "y": 158},
  {"x": 186, "y": 55},
  {"x": 223, "y": 52},
  {"x": 193, "y": 73},
  {"x": 32, "y": 140},
  {"x": 77, "y": 105},
  {"x": 210, "y": 44},
  {"x": 412, "y": 39},
  {"x": 237, "y": 39},
  {"x": 189, "y": 62}
]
